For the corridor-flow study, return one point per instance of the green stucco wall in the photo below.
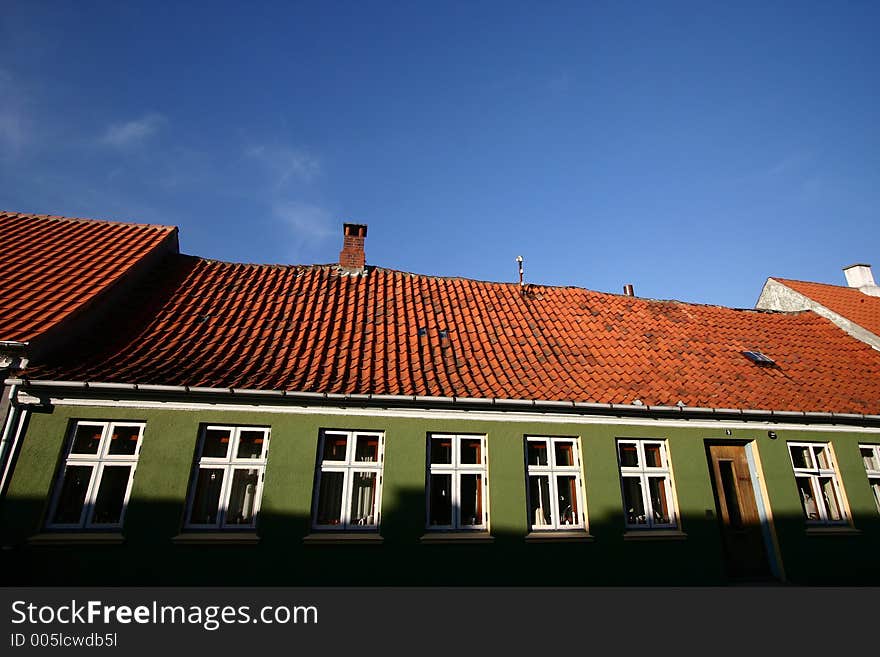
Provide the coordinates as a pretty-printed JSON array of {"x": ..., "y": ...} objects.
[{"x": 156, "y": 508}]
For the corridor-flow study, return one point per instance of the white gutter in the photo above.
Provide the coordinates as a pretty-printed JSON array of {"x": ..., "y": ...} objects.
[{"x": 744, "y": 413}]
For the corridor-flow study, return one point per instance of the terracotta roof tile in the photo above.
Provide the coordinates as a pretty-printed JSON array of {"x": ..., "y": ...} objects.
[
  {"x": 849, "y": 302},
  {"x": 317, "y": 329},
  {"x": 51, "y": 267}
]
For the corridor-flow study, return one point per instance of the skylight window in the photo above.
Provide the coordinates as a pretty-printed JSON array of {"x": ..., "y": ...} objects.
[{"x": 758, "y": 358}]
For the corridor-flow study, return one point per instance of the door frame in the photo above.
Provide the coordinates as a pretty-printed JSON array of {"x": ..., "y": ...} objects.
[{"x": 762, "y": 499}]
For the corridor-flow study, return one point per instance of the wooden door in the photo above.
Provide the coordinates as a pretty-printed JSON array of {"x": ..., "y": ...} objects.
[{"x": 737, "y": 508}]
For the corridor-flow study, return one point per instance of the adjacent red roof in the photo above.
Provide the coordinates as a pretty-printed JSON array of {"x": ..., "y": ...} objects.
[
  {"x": 849, "y": 302},
  {"x": 51, "y": 267},
  {"x": 314, "y": 328}
]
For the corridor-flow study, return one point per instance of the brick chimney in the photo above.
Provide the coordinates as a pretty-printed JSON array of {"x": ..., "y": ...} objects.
[{"x": 352, "y": 255}]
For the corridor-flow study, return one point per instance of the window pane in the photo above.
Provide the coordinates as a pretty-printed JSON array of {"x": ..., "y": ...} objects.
[
  {"x": 564, "y": 454},
  {"x": 808, "y": 502},
  {"x": 829, "y": 495},
  {"x": 111, "y": 494},
  {"x": 471, "y": 451},
  {"x": 242, "y": 496},
  {"x": 440, "y": 500},
  {"x": 441, "y": 450},
  {"x": 566, "y": 488},
  {"x": 539, "y": 502},
  {"x": 367, "y": 449},
  {"x": 206, "y": 499},
  {"x": 250, "y": 445},
  {"x": 471, "y": 499},
  {"x": 86, "y": 439},
  {"x": 334, "y": 446},
  {"x": 800, "y": 457},
  {"x": 216, "y": 445},
  {"x": 869, "y": 458},
  {"x": 537, "y": 452},
  {"x": 653, "y": 458},
  {"x": 633, "y": 502},
  {"x": 73, "y": 493},
  {"x": 123, "y": 441},
  {"x": 659, "y": 499},
  {"x": 330, "y": 498},
  {"x": 731, "y": 499},
  {"x": 629, "y": 455},
  {"x": 823, "y": 457},
  {"x": 363, "y": 498}
]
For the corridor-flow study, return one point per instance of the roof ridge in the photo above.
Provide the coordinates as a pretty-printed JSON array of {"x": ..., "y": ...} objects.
[
  {"x": 797, "y": 280},
  {"x": 54, "y": 217},
  {"x": 552, "y": 287},
  {"x": 275, "y": 265},
  {"x": 512, "y": 284}
]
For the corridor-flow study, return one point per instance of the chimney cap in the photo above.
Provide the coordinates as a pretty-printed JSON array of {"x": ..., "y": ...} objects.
[
  {"x": 348, "y": 227},
  {"x": 858, "y": 264}
]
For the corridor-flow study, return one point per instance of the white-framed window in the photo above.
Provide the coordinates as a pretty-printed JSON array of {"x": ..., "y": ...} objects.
[
  {"x": 555, "y": 489},
  {"x": 93, "y": 486},
  {"x": 457, "y": 486},
  {"x": 818, "y": 487},
  {"x": 646, "y": 483},
  {"x": 348, "y": 490},
  {"x": 227, "y": 480},
  {"x": 871, "y": 459}
]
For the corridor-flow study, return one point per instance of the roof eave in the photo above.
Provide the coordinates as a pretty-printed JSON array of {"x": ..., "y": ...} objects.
[{"x": 420, "y": 401}]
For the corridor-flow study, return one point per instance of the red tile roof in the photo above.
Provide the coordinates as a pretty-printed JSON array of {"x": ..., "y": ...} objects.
[
  {"x": 849, "y": 302},
  {"x": 51, "y": 267},
  {"x": 313, "y": 328}
]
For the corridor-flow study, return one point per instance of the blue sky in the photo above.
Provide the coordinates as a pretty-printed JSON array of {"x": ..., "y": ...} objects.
[{"x": 691, "y": 149}]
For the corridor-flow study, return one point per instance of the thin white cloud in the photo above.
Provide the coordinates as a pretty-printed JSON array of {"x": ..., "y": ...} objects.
[
  {"x": 308, "y": 226},
  {"x": 561, "y": 83},
  {"x": 308, "y": 223},
  {"x": 792, "y": 163},
  {"x": 286, "y": 165},
  {"x": 15, "y": 129},
  {"x": 284, "y": 176},
  {"x": 13, "y": 133},
  {"x": 129, "y": 133}
]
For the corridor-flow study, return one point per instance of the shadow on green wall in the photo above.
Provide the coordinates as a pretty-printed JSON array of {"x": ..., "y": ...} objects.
[{"x": 148, "y": 556}]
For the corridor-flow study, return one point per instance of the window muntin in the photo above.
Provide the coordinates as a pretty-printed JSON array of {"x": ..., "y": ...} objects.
[
  {"x": 458, "y": 489},
  {"x": 94, "y": 485},
  {"x": 871, "y": 460},
  {"x": 555, "y": 489},
  {"x": 349, "y": 480},
  {"x": 817, "y": 483},
  {"x": 646, "y": 484},
  {"x": 227, "y": 482}
]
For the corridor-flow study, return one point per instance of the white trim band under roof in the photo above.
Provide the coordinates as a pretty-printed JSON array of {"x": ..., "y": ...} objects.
[
  {"x": 416, "y": 399},
  {"x": 654, "y": 423}
]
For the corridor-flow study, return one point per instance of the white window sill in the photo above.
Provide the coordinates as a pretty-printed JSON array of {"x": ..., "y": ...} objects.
[
  {"x": 343, "y": 538},
  {"x": 833, "y": 530},
  {"x": 457, "y": 537},
  {"x": 217, "y": 538},
  {"x": 654, "y": 535},
  {"x": 560, "y": 536},
  {"x": 77, "y": 538}
]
